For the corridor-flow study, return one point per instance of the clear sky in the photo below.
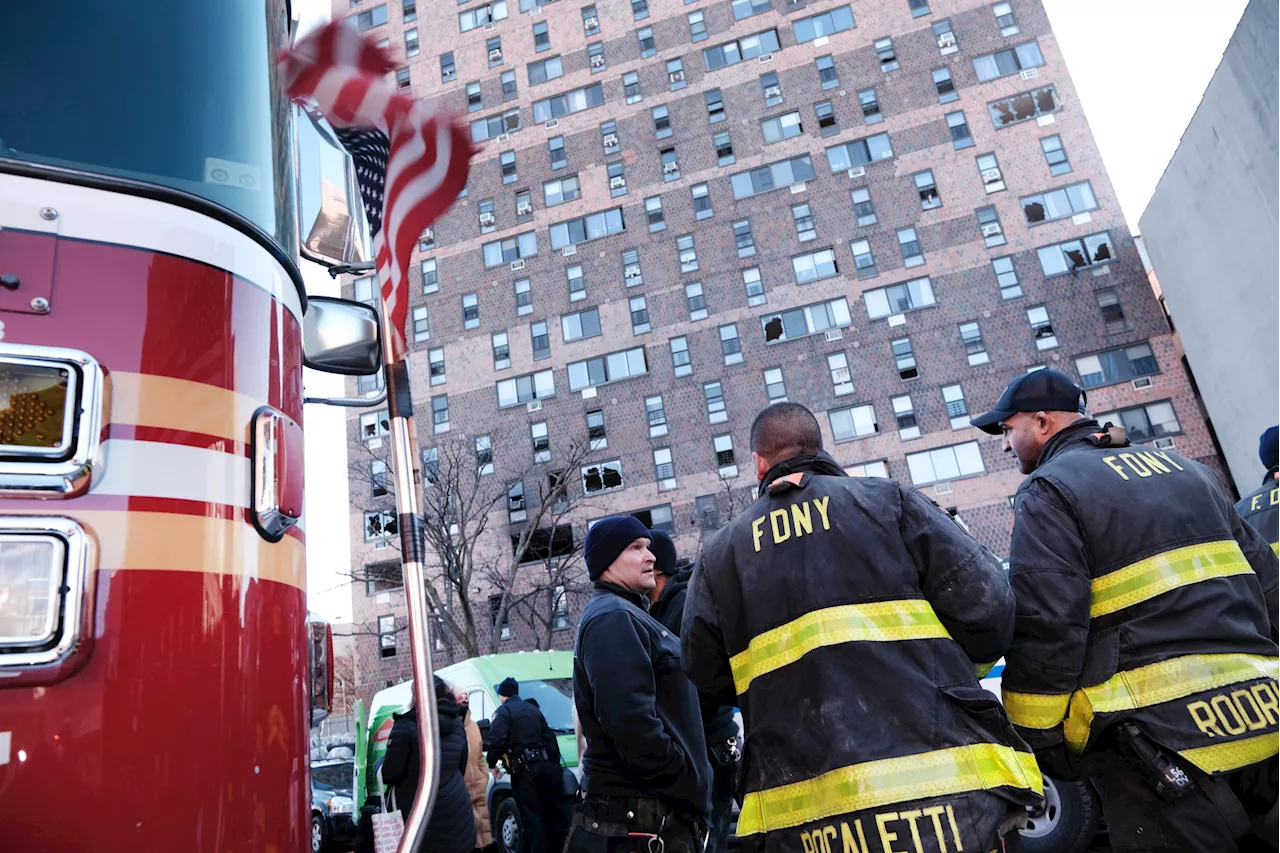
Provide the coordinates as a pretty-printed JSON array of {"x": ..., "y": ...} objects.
[{"x": 1139, "y": 66}]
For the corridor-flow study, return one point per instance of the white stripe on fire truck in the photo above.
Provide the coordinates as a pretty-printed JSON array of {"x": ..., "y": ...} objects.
[{"x": 156, "y": 469}]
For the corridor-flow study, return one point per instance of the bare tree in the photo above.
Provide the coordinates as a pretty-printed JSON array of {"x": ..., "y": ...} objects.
[{"x": 731, "y": 499}]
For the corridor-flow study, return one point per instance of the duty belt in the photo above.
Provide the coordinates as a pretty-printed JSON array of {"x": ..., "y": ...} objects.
[
  {"x": 642, "y": 818},
  {"x": 523, "y": 759}
]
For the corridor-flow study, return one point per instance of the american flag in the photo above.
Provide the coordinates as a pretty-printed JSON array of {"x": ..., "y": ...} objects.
[{"x": 411, "y": 162}]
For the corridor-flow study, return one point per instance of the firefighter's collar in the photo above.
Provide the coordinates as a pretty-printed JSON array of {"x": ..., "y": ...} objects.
[{"x": 804, "y": 464}]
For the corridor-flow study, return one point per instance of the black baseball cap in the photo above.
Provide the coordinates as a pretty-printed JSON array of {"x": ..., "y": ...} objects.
[{"x": 1039, "y": 391}]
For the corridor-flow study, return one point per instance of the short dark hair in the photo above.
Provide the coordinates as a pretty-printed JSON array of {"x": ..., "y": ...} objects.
[{"x": 783, "y": 430}]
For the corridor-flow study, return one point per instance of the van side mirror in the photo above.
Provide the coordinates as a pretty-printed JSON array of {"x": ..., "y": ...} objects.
[
  {"x": 341, "y": 336},
  {"x": 331, "y": 221}
]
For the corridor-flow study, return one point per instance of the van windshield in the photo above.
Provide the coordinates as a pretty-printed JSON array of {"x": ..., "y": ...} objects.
[{"x": 555, "y": 699}]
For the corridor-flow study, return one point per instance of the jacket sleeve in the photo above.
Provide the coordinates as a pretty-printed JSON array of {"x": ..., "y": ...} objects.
[
  {"x": 620, "y": 668},
  {"x": 548, "y": 737},
  {"x": 396, "y": 760},
  {"x": 499, "y": 730},
  {"x": 1263, "y": 560},
  {"x": 465, "y": 754},
  {"x": 1052, "y": 584},
  {"x": 703, "y": 655},
  {"x": 961, "y": 580}
]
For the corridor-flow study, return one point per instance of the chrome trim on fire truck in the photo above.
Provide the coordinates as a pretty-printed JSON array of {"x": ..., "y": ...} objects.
[
  {"x": 79, "y": 558},
  {"x": 24, "y": 473}
]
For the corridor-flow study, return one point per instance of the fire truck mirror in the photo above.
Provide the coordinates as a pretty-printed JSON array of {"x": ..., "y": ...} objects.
[
  {"x": 331, "y": 220},
  {"x": 320, "y": 640},
  {"x": 341, "y": 336}
]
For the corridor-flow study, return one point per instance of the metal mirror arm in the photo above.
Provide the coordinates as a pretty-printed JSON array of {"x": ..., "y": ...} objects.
[
  {"x": 350, "y": 402},
  {"x": 335, "y": 270}
]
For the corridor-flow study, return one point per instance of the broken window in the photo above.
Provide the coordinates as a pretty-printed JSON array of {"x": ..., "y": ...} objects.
[
  {"x": 927, "y": 188},
  {"x": 1041, "y": 328},
  {"x": 1112, "y": 312},
  {"x": 381, "y": 525},
  {"x": 905, "y": 358},
  {"x": 1074, "y": 255},
  {"x": 1023, "y": 106},
  {"x": 1059, "y": 203},
  {"x": 602, "y": 477}
]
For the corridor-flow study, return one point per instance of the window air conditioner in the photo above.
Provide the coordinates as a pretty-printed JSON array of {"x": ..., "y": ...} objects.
[
  {"x": 617, "y": 183},
  {"x": 517, "y": 265},
  {"x": 524, "y": 209},
  {"x": 676, "y": 76},
  {"x": 946, "y": 40},
  {"x": 569, "y": 251},
  {"x": 597, "y": 62},
  {"x": 590, "y": 23},
  {"x": 429, "y": 236},
  {"x": 632, "y": 272},
  {"x": 503, "y": 138},
  {"x": 670, "y": 167},
  {"x": 773, "y": 92},
  {"x": 495, "y": 55},
  {"x": 1142, "y": 382},
  {"x": 490, "y": 26},
  {"x": 942, "y": 489},
  {"x": 610, "y": 141},
  {"x": 833, "y": 334},
  {"x": 990, "y": 176},
  {"x": 1164, "y": 443},
  {"x": 841, "y": 375},
  {"x": 533, "y": 406},
  {"x": 1028, "y": 73},
  {"x": 990, "y": 229},
  {"x": 766, "y": 57},
  {"x": 857, "y": 172},
  {"x": 552, "y": 122},
  {"x": 487, "y": 219}
]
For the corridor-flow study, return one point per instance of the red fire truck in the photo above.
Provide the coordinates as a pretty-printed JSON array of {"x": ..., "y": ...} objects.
[{"x": 155, "y": 690}]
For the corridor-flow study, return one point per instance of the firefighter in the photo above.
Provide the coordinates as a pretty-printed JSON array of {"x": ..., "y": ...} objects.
[
  {"x": 850, "y": 618},
  {"x": 520, "y": 736},
  {"x": 1261, "y": 507},
  {"x": 645, "y": 768},
  {"x": 1144, "y": 650},
  {"x": 666, "y": 604}
]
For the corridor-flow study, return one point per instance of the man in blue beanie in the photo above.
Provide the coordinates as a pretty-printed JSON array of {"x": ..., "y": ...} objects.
[
  {"x": 645, "y": 768},
  {"x": 1261, "y": 507}
]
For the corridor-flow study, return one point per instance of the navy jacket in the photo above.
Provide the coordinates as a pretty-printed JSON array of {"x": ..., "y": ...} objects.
[
  {"x": 1261, "y": 509},
  {"x": 517, "y": 726}
]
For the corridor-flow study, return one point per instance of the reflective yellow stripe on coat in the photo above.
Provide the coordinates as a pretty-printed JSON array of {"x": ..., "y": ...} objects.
[
  {"x": 1035, "y": 710},
  {"x": 890, "y": 780},
  {"x": 1161, "y": 573}
]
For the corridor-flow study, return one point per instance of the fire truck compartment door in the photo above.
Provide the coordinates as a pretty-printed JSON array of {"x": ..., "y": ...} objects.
[{"x": 26, "y": 271}]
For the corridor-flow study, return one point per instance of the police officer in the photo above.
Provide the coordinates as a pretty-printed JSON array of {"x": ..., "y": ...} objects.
[
  {"x": 850, "y": 617},
  {"x": 1261, "y": 507},
  {"x": 646, "y": 773},
  {"x": 520, "y": 736},
  {"x": 1143, "y": 649},
  {"x": 666, "y": 604}
]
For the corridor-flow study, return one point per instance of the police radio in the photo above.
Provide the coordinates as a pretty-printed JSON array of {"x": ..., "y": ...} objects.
[{"x": 1162, "y": 775}]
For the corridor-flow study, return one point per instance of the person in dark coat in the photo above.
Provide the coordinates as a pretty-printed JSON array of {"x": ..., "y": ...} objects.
[
  {"x": 1261, "y": 507},
  {"x": 520, "y": 737},
  {"x": 451, "y": 828}
]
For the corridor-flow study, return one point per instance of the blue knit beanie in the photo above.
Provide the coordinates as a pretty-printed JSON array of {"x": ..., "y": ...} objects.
[
  {"x": 664, "y": 551},
  {"x": 1267, "y": 448},
  {"x": 608, "y": 538}
]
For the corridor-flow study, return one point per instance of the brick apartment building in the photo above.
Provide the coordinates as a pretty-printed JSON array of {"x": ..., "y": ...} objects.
[{"x": 683, "y": 211}]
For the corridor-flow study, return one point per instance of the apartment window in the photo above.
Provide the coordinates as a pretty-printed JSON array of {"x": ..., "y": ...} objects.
[
  {"x": 863, "y": 209},
  {"x": 1060, "y": 203},
  {"x": 1006, "y": 277},
  {"x": 1005, "y": 20},
  {"x": 919, "y": 8},
  {"x": 430, "y": 279},
  {"x": 596, "y": 431},
  {"x": 584, "y": 324},
  {"x": 645, "y": 37},
  {"x": 653, "y": 210},
  {"x": 680, "y": 359},
  {"x": 639, "y": 9},
  {"x": 374, "y": 425},
  {"x": 807, "y": 320},
  {"x": 960, "y": 136},
  {"x": 670, "y": 164},
  {"x": 822, "y": 25},
  {"x": 870, "y": 105},
  {"x": 1112, "y": 312},
  {"x": 754, "y": 286},
  {"x": 781, "y": 127},
  {"x": 524, "y": 297},
  {"x": 595, "y": 55},
  {"x": 427, "y": 241},
  {"x": 481, "y": 15},
  {"x": 701, "y": 201},
  {"x": 561, "y": 190},
  {"x": 905, "y": 415},
  {"x": 1117, "y": 365},
  {"x": 974, "y": 347},
  {"x": 576, "y": 101},
  {"x": 687, "y": 253},
  {"x": 664, "y": 469},
  {"x": 743, "y": 238},
  {"x": 1023, "y": 106},
  {"x": 470, "y": 311},
  {"x": 488, "y": 220},
  {"x": 1055, "y": 155},
  {"x": 411, "y": 42},
  {"x": 661, "y": 121},
  {"x": 386, "y": 624},
  {"x": 494, "y": 47},
  {"x": 368, "y": 384},
  {"x": 379, "y": 479},
  {"x": 541, "y": 38},
  {"x": 748, "y": 8},
  {"x": 501, "y": 351},
  {"x": 639, "y": 315},
  {"x": 524, "y": 205},
  {"x": 714, "y": 394},
  {"x": 520, "y": 390},
  {"x": 725, "y": 461},
  {"x": 853, "y": 422},
  {"x": 826, "y": 116},
  {"x": 730, "y": 346},
  {"x": 540, "y": 338},
  {"x": 724, "y": 149},
  {"x": 695, "y": 300},
  {"x": 774, "y": 387},
  {"x": 879, "y": 468},
  {"x": 631, "y": 87},
  {"x": 613, "y": 367},
  {"x": 541, "y": 441},
  {"x": 375, "y": 17},
  {"x": 484, "y": 454},
  {"x": 927, "y": 189},
  {"x": 957, "y": 408},
  {"x": 602, "y": 477},
  {"x": 747, "y": 47},
  {"x": 593, "y": 226},
  {"x": 989, "y": 170},
  {"x": 555, "y": 147},
  {"x": 715, "y": 106},
  {"x": 905, "y": 358},
  {"x": 448, "y": 72},
  {"x": 545, "y": 69},
  {"x": 421, "y": 325},
  {"x": 590, "y": 21},
  {"x": 803, "y": 219},
  {"x": 435, "y": 362},
  {"x": 495, "y": 125},
  {"x": 609, "y": 137},
  {"x": 989, "y": 225},
  {"x": 697, "y": 27},
  {"x": 402, "y": 78},
  {"x": 899, "y": 298},
  {"x": 864, "y": 261},
  {"x": 632, "y": 275},
  {"x": 1144, "y": 423},
  {"x": 1041, "y": 328},
  {"x": 912, "y": 255},
  {"x": 577, "y": 283},
  {"x": 440, "y": 413},
  {"x": 772, "y": 89},
  {"x": 508, "y": 161},
  {"x": 656, "y": 416},
  {"x": 945, "y": 463},
  {"x": 516, "y": 511},
  {"x": 884, "y": 51},
  {"x": 1005, "y": 62},
  {"x": 860, "y": 152},
  {"x": 841, "y": 378},
  {"x": 509, "y": 89},
  {"x": 827, "y": 72},
  {"x": 945, "y": 85},
  {"x": 1074, "y": 255},
  {"x": 675, "y": 74},
  {"x": 814, "y": 266},
  {"x": 363, "y": 288}
]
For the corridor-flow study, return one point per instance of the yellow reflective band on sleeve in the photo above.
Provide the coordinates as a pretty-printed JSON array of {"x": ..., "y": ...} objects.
[
  {"x": 1275, "y": 546},
  {"x": 976, "y": 767},
  {"x": 1160, "y": 682},
  {"x": 1156, "y": 575},
  {"x": 1035, "y": 710},
  {"x": 878, "y": 622},
  {"x": 982, "y": 670},
  {"x": 1222, "y": 757}
]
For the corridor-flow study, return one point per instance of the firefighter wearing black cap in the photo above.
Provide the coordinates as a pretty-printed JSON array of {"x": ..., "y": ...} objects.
[
  {"x": 1144, "y": 649},
  {"x": 520, "y": 737},
  {"x": 1261, "y": 507},
  {"x": 850, "y": 619}
]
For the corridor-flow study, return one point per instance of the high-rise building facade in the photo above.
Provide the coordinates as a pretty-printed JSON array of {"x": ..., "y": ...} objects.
[{"x": 681, "y": 212}]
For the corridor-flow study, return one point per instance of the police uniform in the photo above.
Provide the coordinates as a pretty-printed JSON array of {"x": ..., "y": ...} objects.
[
  {"x": 519, "y": 735},
  {"x": 1143, "y": 599},
  {"x": 849, "y": 618},
  {"x": 1261, "y": 510}
]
